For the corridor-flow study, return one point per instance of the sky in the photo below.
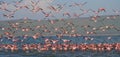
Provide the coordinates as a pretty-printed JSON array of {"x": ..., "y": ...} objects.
[{"x": 109, "y": 5}]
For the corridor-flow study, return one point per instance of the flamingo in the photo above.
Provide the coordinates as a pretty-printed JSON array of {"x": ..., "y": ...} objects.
[{"x": 101, "y": 9}]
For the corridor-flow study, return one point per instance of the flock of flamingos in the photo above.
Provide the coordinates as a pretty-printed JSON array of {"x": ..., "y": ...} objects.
[{"x": 50, "y": 44}]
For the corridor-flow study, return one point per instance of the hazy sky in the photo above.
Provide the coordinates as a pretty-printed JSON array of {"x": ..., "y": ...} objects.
[{"x": 109, "y": 5}]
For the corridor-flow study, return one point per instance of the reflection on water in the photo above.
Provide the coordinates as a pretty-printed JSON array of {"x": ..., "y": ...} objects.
[{"x": 62, "y": 54}]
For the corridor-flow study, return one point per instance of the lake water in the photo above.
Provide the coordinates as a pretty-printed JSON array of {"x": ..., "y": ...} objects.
[{"x": 30, "y": 40}]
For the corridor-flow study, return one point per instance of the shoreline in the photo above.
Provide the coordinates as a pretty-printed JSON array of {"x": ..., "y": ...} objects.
[
  {"x": 109, "y": 35},
  {"x": 66, "y": 27}
]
